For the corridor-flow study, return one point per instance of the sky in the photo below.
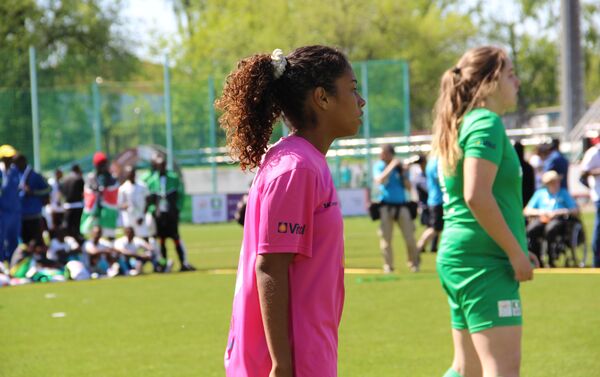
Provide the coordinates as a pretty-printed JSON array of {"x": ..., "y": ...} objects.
[
  {"x": 146, "y": 18},
  {"x": 149, "y": 17}
]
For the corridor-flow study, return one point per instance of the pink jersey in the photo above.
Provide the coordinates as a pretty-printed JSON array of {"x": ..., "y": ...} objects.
[{"x": 292, "y": 208}]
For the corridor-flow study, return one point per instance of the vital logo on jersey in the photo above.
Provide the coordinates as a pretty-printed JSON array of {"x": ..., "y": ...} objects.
[
  {"x": 486, "y": 143},
  {"x": 292, "y": 228}
]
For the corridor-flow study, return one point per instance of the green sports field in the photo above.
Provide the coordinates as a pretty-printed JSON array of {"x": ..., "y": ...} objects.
[{"x": 176, "y": 324}]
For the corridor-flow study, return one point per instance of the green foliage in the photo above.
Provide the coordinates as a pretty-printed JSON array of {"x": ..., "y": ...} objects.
[
  {"x": 531, "y": 32},
  {"x": 226, "y": 31},
  {"x": 75, "y": 41}
]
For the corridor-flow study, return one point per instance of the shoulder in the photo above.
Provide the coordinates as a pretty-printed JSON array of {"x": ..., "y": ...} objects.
[
  {"x": 564, "y": 193},
  {"x": 539, "y": 193},
  {"x": 285, "y": 157},
  {"x": 480, "y": 119},
  {"x": 379, "y": 165}
]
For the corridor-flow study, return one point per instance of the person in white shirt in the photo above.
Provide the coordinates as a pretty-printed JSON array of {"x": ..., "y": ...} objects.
[
  {"x": 136, "y": 250},
  {"x": 62, "y": 247},
  {"x": 590, "y": 167},
  {"x": 55, "y": 210},
  {"x": 99, "y": 255},
  {"x": 132, "y": 201}
]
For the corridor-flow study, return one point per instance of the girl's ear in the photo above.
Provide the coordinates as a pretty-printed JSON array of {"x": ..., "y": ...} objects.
[{"x": 320, "y": 98}]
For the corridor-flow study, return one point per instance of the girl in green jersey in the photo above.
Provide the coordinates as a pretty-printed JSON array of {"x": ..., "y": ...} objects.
[{"x": 483, "y": 253}]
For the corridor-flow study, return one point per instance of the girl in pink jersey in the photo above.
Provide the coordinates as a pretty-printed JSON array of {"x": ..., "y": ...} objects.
[{"x": 289, "y": 291}]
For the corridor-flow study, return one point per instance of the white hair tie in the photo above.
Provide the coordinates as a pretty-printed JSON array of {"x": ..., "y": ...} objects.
[{"x": 279, "y": 62}]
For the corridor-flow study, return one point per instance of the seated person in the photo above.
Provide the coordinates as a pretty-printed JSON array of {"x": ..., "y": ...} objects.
[
  {"x": 130, "y": 246},
  {"x": 100, "y": 258},
  {"x": 63, "y": 248},
  {"x": 28, "y": 257},
  {"x": 550, "y": 210}
]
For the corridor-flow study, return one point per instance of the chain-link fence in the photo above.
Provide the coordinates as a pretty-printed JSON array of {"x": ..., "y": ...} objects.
[{"x": 113, "y": 116}]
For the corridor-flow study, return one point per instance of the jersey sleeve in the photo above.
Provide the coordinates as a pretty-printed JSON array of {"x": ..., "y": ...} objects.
[
  {"x": 569, "y": 201},
  {"x": 534, "y": 202},
  {"x": 485, "y": 139},
  {"x": 287, "y": 211}
]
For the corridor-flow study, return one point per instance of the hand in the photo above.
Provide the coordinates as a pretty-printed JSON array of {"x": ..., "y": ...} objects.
[
  {"x": 281, "y": 371},
  {"x": 396, "y": 162},
  {"x": 534, "y": 260},
  {"x": 522, "y": 267}
]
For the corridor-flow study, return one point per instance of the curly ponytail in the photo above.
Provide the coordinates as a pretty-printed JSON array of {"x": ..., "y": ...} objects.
[
  {"x": 264, "y": 88},
  {"x": 249, "y": 109}
]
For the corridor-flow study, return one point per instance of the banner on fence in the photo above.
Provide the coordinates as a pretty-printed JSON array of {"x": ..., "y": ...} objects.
[
  {"x": 209, "y": 208},
  {"x": 354, "y": 202},
  {"x": 217, "y": 208}
]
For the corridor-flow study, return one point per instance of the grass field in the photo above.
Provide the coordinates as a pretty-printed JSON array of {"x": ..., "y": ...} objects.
[{"x": 176, "y": 324}]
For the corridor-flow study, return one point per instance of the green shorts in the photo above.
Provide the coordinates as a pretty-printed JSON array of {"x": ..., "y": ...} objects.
[{"x": 481, "y": 297}]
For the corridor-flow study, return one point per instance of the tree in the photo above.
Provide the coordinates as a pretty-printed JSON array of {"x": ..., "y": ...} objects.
[
  {"x": 415, "y": 30},
  {"x": 76, "y": 40},
  {"x": 531, "y": 34}
]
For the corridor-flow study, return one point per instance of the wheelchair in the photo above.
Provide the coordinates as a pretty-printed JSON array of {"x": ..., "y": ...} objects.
[{"x": 568, "y": 249}]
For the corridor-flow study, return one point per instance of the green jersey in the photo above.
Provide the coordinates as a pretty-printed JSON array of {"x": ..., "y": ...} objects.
[
  {"x": 464, "y": 241},
  {"x": 166, "y": 192}
]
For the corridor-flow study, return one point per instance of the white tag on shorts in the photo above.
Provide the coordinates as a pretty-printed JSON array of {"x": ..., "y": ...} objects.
[
  {"x": 505, "y": 308},
  {"x": 516, "y": 308}
]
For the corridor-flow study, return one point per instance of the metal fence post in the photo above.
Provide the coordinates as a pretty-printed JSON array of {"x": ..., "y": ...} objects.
[
  {"x": 213, "y": 132},
  {"x": 35, "y": 114},
  {"x": 97, "y": 119},
  {"x": 169, "y": 125},
  {"x": 364, "y": 83},
  {"x": 406, "y": 95}
]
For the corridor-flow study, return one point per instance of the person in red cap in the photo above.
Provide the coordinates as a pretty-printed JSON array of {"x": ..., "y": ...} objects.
[{"x": 100, "y": 198}]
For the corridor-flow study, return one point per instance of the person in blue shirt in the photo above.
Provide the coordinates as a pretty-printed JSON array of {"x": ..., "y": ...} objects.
[
  {"x": 550, "y": 209},
  {"x": 392, "y": 183},
  {"x": 555, "y": 161},
  {"x": 10, "y": 205},
  {"x": 434, "y": 205},
  {"x": 34, "y": 193}
]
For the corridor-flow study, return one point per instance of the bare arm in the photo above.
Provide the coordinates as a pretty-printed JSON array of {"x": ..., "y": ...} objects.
[
  {"x": 594, "y": 172},
  {"x": 273, "y": 293},
  {"x": 557, "y": 212},
  {"x": 479, "y": 175},
  {"x": 382, "y": 178},
  {"x": 527, "y": 211},
  {"x": 564, "y": 212}
]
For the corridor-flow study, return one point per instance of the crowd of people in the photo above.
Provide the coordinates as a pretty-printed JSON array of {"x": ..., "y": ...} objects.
[
  {"x": 67, "y": 227},
  {"x": 549, "y": 208}
]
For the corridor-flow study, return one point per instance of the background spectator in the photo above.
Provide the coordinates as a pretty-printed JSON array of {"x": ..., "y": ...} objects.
[
  {"x": 10, "y": 204},
  {"x": 557, "y": 162},
  {"x": 590, "y": 166},
  {"x": 528, "y": 174},
  {"x": 390, "y": 178},
  {"x": 100, "y": 198},
  {"x": 55, "y": 209},
  {"x": 72, "y": 191},
  {"x": 551, "y": 208},
  {"x": 34, "y": 193},
  {"x": 132, "y": 202},
  {"x": 166, "y": 200}
]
